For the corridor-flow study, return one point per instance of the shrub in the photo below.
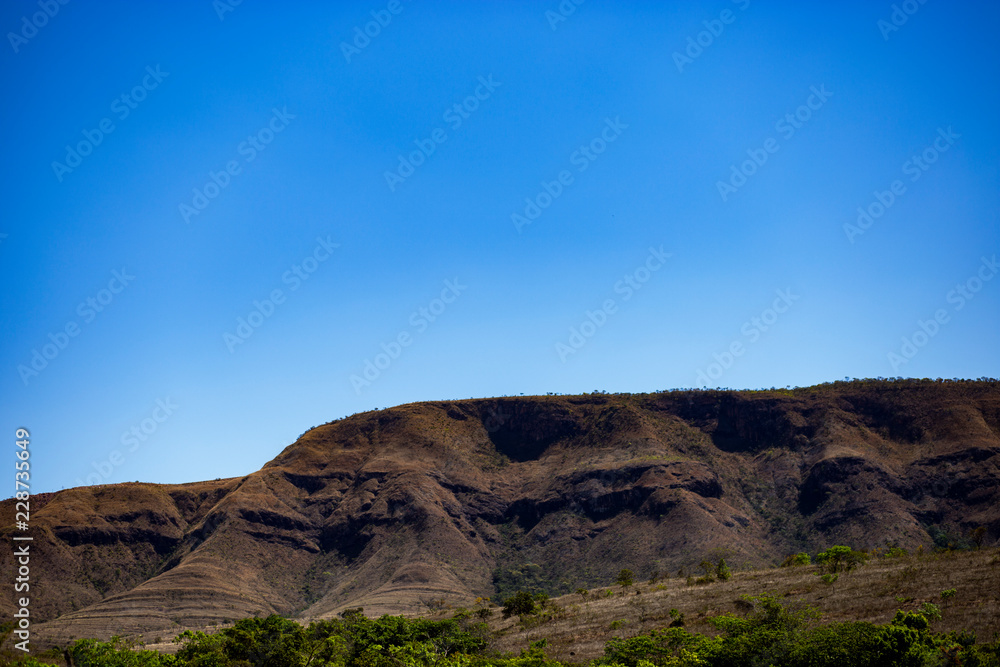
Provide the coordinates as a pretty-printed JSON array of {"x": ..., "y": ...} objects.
[
  {"x": 931, "y": 611},
  {"x": 625, "y": 578},
  {"x": 521, "y": 603},
  {"x": 722, "y": 570},
  {"x": 272, "y": 641},
  {"x": 763, "y": 636},
  {"x": 840, "y": 559},
  {"x": 117, "y": 652},
  {"x": 660, "y": 647},
  {"x": 947, "y": 594},
  {"x": 354, "y": 613},
  {"x": 796, "y": 560}
]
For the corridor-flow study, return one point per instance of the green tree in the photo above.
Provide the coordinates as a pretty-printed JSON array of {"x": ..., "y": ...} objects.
[
  {"x": 659, "y": 647},
  {"x": 840, "y": 559},
  {"x": 117, "y": 652},
  {"x": 521, "y": 603},
  {"x": 257, "y": 642},
  {"x": 625, "y": 578},
  {"x": 978, "y": 536}
]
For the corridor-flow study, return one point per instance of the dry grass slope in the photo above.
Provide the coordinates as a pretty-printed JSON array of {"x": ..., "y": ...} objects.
[{"x": 579, "y": 628}]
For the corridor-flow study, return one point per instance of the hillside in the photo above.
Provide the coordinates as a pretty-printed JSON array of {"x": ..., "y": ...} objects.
[
  {"x": 578, "y": 626},
  {"x": 415, "y": 507}
]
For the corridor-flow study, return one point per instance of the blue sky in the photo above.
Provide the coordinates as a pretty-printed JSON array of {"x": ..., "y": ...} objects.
[{"x": 627, "y": 198}]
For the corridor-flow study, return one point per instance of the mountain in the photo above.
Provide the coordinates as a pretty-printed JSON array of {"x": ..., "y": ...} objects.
[{"x": 407, "y": 509}]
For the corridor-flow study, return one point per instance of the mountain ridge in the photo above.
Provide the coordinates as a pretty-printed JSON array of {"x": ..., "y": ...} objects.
[{"x": 404, "y": 509}]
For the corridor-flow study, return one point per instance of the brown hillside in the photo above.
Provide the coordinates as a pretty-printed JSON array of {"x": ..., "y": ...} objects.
[
  {"x": 577, "y": 626},
  {"x": 401, "y": 509}
]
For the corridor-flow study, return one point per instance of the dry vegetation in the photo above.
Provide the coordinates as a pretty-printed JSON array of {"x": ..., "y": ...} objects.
[{"x": 579, "y": 628}]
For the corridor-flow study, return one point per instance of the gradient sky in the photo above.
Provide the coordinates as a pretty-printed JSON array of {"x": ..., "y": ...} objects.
[{"x": 661, "y": 121}]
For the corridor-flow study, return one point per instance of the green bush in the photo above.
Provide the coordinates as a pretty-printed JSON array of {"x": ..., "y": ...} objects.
[
  {"x": 114, "y": 653},
  {"x": 796, "y": 560},
  {"x": 659, "y": 647},
  {"x": 353, "y": 641},
  {"x": 840, "y": 559},
  {"x": 521, "y": 603}
]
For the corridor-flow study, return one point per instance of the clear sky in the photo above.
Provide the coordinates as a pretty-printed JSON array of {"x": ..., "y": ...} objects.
[{"x": 224, "y": 224}]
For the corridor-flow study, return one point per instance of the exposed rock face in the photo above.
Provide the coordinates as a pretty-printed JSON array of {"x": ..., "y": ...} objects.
[{"x": 399, "y": 509}]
